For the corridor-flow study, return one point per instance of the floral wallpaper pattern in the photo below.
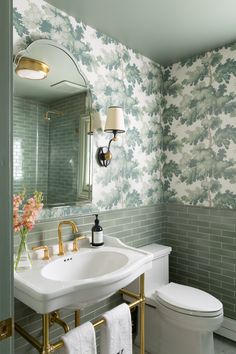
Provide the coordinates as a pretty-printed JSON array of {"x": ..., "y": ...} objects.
[
  {"x": 117, "y": 76},
  {"x": 199, "y": 118}
]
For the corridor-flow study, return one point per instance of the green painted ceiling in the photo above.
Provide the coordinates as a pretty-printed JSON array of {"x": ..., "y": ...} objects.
[{"x": 163, "y": 30}]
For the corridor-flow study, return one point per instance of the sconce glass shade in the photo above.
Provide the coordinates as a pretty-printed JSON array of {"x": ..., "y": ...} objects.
[
  {"x": 28, "y": 68},
  {"x": 115, "y": 120}
]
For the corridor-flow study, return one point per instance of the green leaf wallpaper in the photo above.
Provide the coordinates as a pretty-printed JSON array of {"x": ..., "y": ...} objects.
[
  {"x": 117, "y": 76},
  {"x": 180, "y": 143},
  {"x": 200, "y": 130}
]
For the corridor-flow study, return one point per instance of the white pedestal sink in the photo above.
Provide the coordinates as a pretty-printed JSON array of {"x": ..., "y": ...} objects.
[{"x": 80, "y": 279}]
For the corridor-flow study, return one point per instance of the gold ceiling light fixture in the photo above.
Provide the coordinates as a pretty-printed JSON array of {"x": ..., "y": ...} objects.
[
  {"x": 114, "y": 124},
  {"x": 32, "y": 69}
]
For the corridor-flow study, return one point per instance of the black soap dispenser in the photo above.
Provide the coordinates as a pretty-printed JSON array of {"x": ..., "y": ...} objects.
[{"x": 97, "y": 233}]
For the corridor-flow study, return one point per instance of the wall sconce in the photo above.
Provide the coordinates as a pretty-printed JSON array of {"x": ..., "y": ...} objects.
[
  {"x": 114, "y": 124},
  {"x": 28, "y": 68}
]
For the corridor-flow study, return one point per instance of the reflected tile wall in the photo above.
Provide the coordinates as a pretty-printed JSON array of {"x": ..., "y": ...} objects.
[
  {"x": 46, "y": 152},
  {"x": 30, "y": 149},
  {"x": 64, "y": 149}
]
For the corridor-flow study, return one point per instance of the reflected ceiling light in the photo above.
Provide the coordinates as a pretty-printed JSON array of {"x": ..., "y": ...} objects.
[
  {"x": 114, "y": 124},
  {"x": 28, "y": 68}
]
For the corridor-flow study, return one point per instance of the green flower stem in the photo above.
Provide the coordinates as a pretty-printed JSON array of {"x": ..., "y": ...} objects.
[{"x": 22, "y": 247}]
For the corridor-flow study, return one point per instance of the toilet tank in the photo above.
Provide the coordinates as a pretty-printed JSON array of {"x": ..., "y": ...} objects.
[{"x": 158, "y": 275}]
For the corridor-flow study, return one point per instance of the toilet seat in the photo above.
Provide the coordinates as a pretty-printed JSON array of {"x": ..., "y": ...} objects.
[{"x": 188, "y": 300}]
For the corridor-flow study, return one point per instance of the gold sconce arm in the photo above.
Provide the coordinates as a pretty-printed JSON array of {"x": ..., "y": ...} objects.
[
  {"x": 75, "y": 243},
  {"x": 46, "y": 251}
]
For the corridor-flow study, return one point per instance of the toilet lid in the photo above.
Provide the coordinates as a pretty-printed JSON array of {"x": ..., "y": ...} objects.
[{"x": 188, "y": 298}]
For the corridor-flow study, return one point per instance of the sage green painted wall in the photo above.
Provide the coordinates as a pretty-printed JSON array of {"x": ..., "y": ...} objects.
[
  {"x": 163, "y": 30},
  {"x": 6, "y": 240}
]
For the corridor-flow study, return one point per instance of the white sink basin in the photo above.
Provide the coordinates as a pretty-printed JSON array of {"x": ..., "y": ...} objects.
[
  {"x": 86, "y": 265},
  {"x": 80, "y": 279}
]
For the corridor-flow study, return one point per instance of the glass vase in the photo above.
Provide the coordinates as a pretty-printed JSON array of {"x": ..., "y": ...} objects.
[{"x": 23, "y": 260}]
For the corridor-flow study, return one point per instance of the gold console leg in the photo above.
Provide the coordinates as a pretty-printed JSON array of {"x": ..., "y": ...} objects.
[
  {"x": 142, "y": 314},
  {"x": 47, "y": 348},
  {"x": 77, "y": 318}
]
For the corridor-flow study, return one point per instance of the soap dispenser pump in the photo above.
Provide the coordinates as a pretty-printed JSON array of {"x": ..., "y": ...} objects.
[{"x": 97, "y": 233}]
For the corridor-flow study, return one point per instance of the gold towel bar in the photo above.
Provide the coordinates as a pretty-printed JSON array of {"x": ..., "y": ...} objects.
[{"x": 102, "y": 320}]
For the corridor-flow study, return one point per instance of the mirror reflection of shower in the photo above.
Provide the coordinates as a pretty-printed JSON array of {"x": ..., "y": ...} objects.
[
  {"x": 51, "y": 114},
  {"x": 50, "y": 144}
]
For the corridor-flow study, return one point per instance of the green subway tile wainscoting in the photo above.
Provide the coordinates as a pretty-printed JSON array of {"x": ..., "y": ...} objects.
[
  {"x": 203, "y": 242},
  {"x": 136, "y": 226}
]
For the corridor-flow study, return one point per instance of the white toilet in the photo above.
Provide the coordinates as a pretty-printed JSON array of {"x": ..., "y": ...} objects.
[{"x": 178, "y": 319}]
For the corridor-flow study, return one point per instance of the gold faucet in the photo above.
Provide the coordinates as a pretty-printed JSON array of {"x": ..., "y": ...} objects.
[
  {"x": 46, "y": 252},
  {"x": 75, "y": 242},
  {"x": 60, "y": 242}
]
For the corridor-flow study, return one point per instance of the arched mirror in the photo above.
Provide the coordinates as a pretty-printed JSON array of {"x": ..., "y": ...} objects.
[{"x": 51, "y": 125}]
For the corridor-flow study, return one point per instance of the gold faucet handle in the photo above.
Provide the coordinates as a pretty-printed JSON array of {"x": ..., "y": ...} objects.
[
  {"x": 75, "y": 243},
  {"x": 46, "y": 251}
]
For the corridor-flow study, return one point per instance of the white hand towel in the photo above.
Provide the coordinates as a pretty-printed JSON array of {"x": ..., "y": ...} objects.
[
  {"x": 81, "y": 340},
  {"x": 116, "y": 334}
]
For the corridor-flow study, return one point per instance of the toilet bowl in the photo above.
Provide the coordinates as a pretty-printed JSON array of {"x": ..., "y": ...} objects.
[{"x": 179, "y": 319}]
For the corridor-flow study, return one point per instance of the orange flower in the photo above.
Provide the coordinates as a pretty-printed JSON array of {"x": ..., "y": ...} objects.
[{"x": 25, "y": 215}]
